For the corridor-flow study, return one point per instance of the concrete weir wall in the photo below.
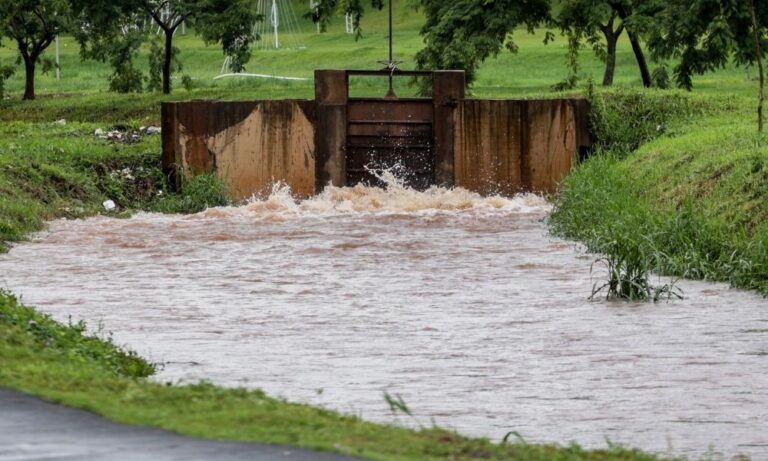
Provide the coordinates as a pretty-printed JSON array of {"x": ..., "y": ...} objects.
[
  {"x": 249, "y": 145},
  {"x": 508, "y": 146},
  {"x": 487, "y": 146}
]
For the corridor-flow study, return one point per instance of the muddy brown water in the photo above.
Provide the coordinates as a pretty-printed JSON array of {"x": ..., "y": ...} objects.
[{"x": 462, "y": 305}]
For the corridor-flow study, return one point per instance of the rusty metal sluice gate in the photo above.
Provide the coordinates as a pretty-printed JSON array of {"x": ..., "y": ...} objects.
[{"x": 488, "y": 146}]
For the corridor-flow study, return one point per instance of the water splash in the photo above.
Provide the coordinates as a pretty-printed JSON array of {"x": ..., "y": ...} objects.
[{"x": 395, "y": 198}]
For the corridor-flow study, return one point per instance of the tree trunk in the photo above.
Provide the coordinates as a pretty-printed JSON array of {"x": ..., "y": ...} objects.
[
  {"x": 167, "y": 59},
  {"x": 758, "y": 54},
  {"x": 640, "y": 57},
  {"x": 619, "y": 8},
  {"x": 610, "y": 59},
  {"x": 29, "y": 69}
]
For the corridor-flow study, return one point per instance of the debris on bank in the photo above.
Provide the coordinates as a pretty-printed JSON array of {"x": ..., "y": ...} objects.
[{"x": 123, "y": 134}]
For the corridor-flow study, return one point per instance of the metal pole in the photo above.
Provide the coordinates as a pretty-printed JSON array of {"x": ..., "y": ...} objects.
[
  {"x": 391, "y": 57},
  {"x": 275, "y": 23},
  {"x": 58, "y": 61}
]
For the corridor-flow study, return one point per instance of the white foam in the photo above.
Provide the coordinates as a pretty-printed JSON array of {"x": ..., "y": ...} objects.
[{"x": 395, "y": 198}]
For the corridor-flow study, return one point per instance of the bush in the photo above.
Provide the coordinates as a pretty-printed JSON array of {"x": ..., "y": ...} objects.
[
  {"x": 5, "y": 73},
  {"x": 197, "y": 194},
  {"x": 623, "y": 120}
]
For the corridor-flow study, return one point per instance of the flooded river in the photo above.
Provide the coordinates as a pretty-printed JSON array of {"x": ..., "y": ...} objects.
[{"x": 462, "y": 305}]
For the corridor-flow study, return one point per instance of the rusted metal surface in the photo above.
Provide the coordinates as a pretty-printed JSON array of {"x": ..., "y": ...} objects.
[
  {"x": 447, "y": 91},
  {"x": 250, "y": 145},
  {"x": 395, "y": 135},
  {"x": 507, "y": 146},
  {"x": 549, "y": 143},
  {"x": 331, "y": 95},
  {"x": 488, "y": 146},
  {"x": 387, "y": 133}
]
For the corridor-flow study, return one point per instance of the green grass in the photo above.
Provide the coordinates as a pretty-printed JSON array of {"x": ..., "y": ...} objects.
[
  {"x": 64, "y": 365},
  {"x": 530, "y": 72},
  {"x": 690, "y": 201},
  {"x": 49, "y": 170}
]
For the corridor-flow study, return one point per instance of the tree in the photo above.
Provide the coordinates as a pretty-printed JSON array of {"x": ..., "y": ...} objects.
[
  {"x": 588, "y": 20},
  {"x": 113, "y": 23},
  {"x": 629, "y": 14},
  {"x": 324, "y": 9},
  {"x": 457, "y": 34},
  {"x": 706, "y": 35},
  {"x": 462, "y": 34},
  {"x": 33, "y": 25}
]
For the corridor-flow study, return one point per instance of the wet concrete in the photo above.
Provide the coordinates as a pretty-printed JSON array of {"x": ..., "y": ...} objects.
[{"x": 32, "y": 429}]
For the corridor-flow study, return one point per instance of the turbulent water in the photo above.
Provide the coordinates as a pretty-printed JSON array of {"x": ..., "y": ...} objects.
[{"x": 462, "y": 305}]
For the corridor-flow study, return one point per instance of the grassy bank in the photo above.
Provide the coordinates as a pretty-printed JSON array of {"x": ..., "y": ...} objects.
[
  {"x": 679, "y": 186},
  {"x": 64, "y": 170},
  {"x": 62, "y": 364}
]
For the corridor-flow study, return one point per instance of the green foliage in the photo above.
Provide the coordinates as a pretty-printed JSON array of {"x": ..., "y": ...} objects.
[
  {"x": 187, "y": 82},
  {"x": 125, "y": 77},
  {"x": 197, "y": 193},
  {"x": 323, "y": 11},
  {"x": 156, "y": 62},
  {"x": 5, "y": 73},
  {"x": 705, "y": 35},
  {"x": 623, "y": 120},
  {"x": 592, "y": 22},
  {"x": 69, "y": 341},
  {"x": 230, "y": 23},
  {"x": 660, "y": 78},
  {"x": 461, "y": 35},
  {"x": 572, "y": 79},
  {"x": 115, "y": 29}
]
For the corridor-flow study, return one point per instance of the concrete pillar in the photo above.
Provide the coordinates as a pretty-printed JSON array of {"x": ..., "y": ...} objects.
[{"x": 331, "y": 96}]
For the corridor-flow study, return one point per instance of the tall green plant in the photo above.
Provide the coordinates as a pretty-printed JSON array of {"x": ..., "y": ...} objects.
[{"x": 5, "y": 73}]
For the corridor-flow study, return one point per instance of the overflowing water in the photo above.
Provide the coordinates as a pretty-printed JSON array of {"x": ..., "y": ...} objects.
[{"x": 462, "y": 305}]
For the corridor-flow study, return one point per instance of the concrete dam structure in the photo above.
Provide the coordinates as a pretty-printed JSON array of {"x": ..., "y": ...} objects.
[{"x": 486, "y": 146}]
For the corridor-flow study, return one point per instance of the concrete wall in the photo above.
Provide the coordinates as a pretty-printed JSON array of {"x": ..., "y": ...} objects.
[
  {"x": 250, "y": 145},
  {"x": 487, "y": 146},
  {"x": 507, "y": 146}
]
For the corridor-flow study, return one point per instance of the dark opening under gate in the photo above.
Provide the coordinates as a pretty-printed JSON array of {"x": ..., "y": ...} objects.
[{"x": 410, "y": 137}]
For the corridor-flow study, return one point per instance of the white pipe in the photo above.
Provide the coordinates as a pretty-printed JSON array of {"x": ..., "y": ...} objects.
[
  {"x": 274, "y": 77},
  {"x": 275, "y": 23}
]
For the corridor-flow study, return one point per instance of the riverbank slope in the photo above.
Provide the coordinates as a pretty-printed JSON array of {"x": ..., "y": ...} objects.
[{"x": 678, "y": 185}]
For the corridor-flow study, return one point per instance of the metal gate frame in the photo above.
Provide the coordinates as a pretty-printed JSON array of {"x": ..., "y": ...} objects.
[{"x": 332, "y": 98}]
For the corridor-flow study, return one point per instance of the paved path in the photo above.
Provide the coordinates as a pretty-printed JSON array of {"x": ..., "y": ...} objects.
[{"x": 32, "y": 429}]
